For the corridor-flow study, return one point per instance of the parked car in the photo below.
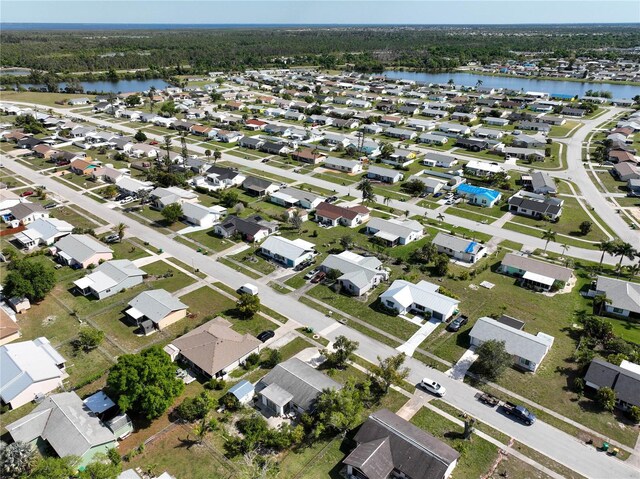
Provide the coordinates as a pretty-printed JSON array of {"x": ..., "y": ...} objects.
[
  {"x": 265, "y": 335},
  {"x": 457, "y": 323},
  {"x": 49, "y": 206},
  {"x": 519, "y": 412},
  {"x": 266, "y": 160},
  {"x": 26, "y": 193},
  {"x": 319, "y": 277},
  {"x": 127, "y": 200},
  {"x": 248, "y": 288},
  {"x": 154, "y": 142},
  {"x": 114, "y": 238},
  {"x": 311, "y": 274},
  {"x": 433, "y": 387}
]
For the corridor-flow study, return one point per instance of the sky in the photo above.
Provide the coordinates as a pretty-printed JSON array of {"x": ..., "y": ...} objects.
[{"x": 298, "y": 12}]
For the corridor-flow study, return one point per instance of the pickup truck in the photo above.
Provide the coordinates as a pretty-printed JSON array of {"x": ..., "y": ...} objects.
[{"x": 519, "y": 412}]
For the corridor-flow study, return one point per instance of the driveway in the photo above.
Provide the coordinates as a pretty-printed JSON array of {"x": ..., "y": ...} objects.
[{"x": 418, "y": 337}]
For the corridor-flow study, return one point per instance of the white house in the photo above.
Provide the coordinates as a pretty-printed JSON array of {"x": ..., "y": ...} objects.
[
  {"x": 348, "y": 166},
  {"x": 359, "y": 274},
  {"x": 110, "y": 278},
  {"x": 386, "y": 175},
  {"x": 421, "y": 298},
  {"x": 203, "y": 216},
  {"x": 44, "y": 232},
  {"x": 395, "y": 231},
  {"x": 289, "y": 197},
  {"x": 289, "y": 253}
]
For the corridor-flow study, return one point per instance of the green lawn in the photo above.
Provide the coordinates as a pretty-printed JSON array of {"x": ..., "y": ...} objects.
[
  {"x": 478, "y": 454},
  {"x": 627, "y": 329},
  {"x": 206, "y": 302},
  {"x": 211, "y": 241},
  {"x": 559, "y": 131},
  {"x": 254, "y": 261},
  {"x": 41, "y": 98},
  {"x": 77, "y": 217},
  {"x": 253, "y": 326},
  {"x": 173, "y": 281}
]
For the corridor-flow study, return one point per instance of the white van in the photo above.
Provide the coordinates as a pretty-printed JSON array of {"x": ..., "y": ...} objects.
[{"x": 248, "y": 288}]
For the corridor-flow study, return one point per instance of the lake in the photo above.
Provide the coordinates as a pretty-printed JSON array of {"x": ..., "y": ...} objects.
[
  {"x": 517, "y": 83},
  {"x": 121, "y": 86}
]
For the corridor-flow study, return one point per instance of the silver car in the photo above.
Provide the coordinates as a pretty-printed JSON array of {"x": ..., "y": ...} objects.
[{"x": 433, "y": 387}]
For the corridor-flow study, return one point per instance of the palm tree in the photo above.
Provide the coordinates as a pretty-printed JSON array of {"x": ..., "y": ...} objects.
[
  {"x": 207, "y": 153},
  {"x": 564, "y": 247},
  {"x": 386, "y": 200},
  {"x": 451, "y": 82},
  {"x": 216, "y": 156},
  {"x": 633, "y": 270},
  {"x": 549, "y": 236},
  {"x": 599, "y": 302},
  {"x": 479, "y": 83},
  {"x": 623, "y": 250},
  {"x": 120, "y": 229},
  {"x": 367, "y": 190},
  {"x": 606, "y": 247},
  {"x": 167, "y": 147},
  {"x": 440, "y": 216}
]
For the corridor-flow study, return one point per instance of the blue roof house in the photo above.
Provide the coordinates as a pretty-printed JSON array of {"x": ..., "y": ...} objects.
[{"x": 477, "y": 195}]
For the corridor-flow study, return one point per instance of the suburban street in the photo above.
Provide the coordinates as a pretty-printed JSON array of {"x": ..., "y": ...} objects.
[{"x": 547, "y": 440}]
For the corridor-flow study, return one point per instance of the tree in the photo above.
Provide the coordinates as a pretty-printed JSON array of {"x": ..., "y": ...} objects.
[
  {"x": 183, "y": 145},
  {"x": 606, "y": 398},
  {"x": 88, "y": 339},
  {"x": 606, "y": 247},
  {"x": 548, "y": 235},
  {"x": 207, "y": 153},
  {"x": 272, "y": 359},
  {"x": 596, "y": 328},
  {"x": 424, "y": 255},
  {"x": 386, "y": 150},
  {"x": 29, "y": 278},
  {"x": 194, "y": 408},
  {"x": 120, "y": 230},
  {"x": 228, "y": 198},
  {"x": 54, "y": 468},
  {"x": 585, "y": 227},
  {"x": 599, "y": 303},
  {"x": 346, "y": 241},
  {"x": 389, "y": 371},
  {"x": 168, "y": 108},
  {"x": 145, "y": 383},
  {"x": 339, "y": 410},
  {"x": 634, "y": 414},
  {"x": 367, "y": 190},
  {"x": 294, "y": 220},
  {"x": 16, "y": 459},
  {"x": 172, "y": 213},
  {"x": 413, "y": 187},
  {"x": 110, "y": 191},
  {"x": 216, "y": 156},
  {"x": 140, "y": 136},
  {"x": 441, "y": 264},
  {"x": 493, "y": 359},
  {"x": 132, "y": 100},
  {"x": 248, "y": 305},
  {"x": 100, "y": 470},
  {"x": 343, "y": 350},
  {"x": 167, "y": 149},
  {"x": 623, "y": 250}
]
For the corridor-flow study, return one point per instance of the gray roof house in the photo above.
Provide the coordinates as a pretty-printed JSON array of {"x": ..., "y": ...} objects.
[
  {"x": 67, "y": 425},
  {"x": 458, "y": 248},
  {"x": 395, "y": 231},
  {"x": 213, "y": 349},
  {"x": 543, "y": 184},
  {"x": 624, "y": 296},
  {"x": 386, "y": 175},
  {"x": 156, "y": 308},
  {"x": 535, "y": 274},
  {"x": 358, "y": 273},
  {"x": 528, "y": 350},
  {"x": 29, "y": 369},
  {"x": 422, "y": 298},
  {"x": 44, "y": 231},
  {"x": 293, "y": 386},
  {"x": 624, "y": 382},
  {"x": 25, "y": 213},
  {"x": 81, "y": 251},
  {"x": 258, "y": 186},
  {"x": 110, "y": 278},
  {"x": 254, "y": 228},
  {"x": 390, "y": 446},
  {"x": 289, "y": 253},
  {"x": 163, "y": 197}
]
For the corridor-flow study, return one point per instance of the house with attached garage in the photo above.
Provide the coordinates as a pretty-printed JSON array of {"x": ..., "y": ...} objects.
[
  {"x": 478, "y": 195},
  {"x": 29, "y": 370},
  {"x": 422, "y": 298},
  {"x": 623, "y": 296},
  {"x": 623, "y": 379},
  {"x": 482, "y": 168},
  {"x": 67, "y": 426},
  {"x": 394, "y": 231},
  {"x": 400, "y": 133},
  {"x": 527, "y": 350},
  {"x": 213, "y": 349},
  {"x": 386, "y": 175},
  {"x": 439, "y": 159},
  {"x": 626, "y": 171},
  {"x": 358, "y": 274},
  {"x": 492, "y": 133},
  {"x": 540, "y": 183},
  {"x": 258, "y": 186},
  {"x": 217, "y": 178},
  {"x": 472, "y": 144},
  {"x": 202, "y": 216},
  {"x": 81, "y": 251},
  {"x": 110, "y": 278},
  {"x": 388, "y": 446},
  {"x": 293, "y": 387},
  {"x": 454, "y": 129},
  {"x": 43, "y": 232},
  {"x": 155, "y": 309},
  {"x": 163, "y": 197},
  {"x": 458, "y": 248},
  {"x": 523, "y": 153},
  {"x": 433, "y": 139},
  {"x": 289, "y": 197},
  {"x": 251, "y": 142},
  {"x": 633, "y": 185},
  {"x": 254, "y": 228},
  {"x": 526, "y": 141},
  {"x": 274, "y": 148},
  {"x": 309, "y": 155},
  {"x": 347, "y": 166},
  {"x": 25, "y": 214},
  {"x": 289, "y": 253},
  {"x": 431, "y": 185},
  {"x": 534, "y": 126},
  {"x": 332, "y": 215},
  {"x": 535, "y": 206},
  {"x": 535, "y": 274},
  {"x": 133, "y": 187}
]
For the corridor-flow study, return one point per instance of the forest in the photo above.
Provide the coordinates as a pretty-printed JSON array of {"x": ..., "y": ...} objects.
[{"x": 362, "y": 48}]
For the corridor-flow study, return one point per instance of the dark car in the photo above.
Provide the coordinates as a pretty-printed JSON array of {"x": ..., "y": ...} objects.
[
  {"x": 319, "y": 277},
  {"x": 266, "y": 335},
  {"x": 49, "y": 206},
  {"x": 457, "y": 323}
]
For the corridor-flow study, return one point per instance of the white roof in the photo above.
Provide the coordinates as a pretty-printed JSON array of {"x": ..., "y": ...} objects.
[
  {"x": 399, "y": 228},
  {"x": 287, "y": 248},
  {"x": 424, "y": 293},
  {"x": 155, "y": 305},
  {"x": 538, "y": 278},
  {"x": 484, "y": 166}
]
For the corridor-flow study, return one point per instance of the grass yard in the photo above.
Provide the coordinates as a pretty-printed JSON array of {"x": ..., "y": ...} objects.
[
  {"x": 478, "y": 454},
  {"x": 210, "y": 241},
  {"x": 205, "y": 302},
  {"x": 240, "y": 268},
  {"x": 254, "y": 261},
  {"x": 560, "y": 131},
  {"x": 82, "y": 367},
  {"x": 77, "y": 217},
  {"x": 253, "y": 326},
  {"x": 48, "y": 99},
  {"x": 48, "y": 319},
  {"x": 127, "y": 250},
  {"x": 627, "y": 329},
  {"x": 532, "y": 231},
  {"x": 177, "y": 280}
]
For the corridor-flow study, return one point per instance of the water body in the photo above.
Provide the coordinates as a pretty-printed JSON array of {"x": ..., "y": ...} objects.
[
  {"x": 121, "y": 86},
  {"x": 517, "y": 83}
]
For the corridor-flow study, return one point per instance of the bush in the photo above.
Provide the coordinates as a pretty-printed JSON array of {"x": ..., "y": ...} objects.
[
  {"x": 606, "y": 398},
  {"x": 252, "y": 360},
  {"x": 217, "y": 384},
  {"x": 633, "y": 413}
]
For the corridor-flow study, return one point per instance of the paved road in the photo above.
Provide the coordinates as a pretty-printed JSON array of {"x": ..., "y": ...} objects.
[
  {"x": 548, "y": 440},
  {"x": 620, "y": 227}
]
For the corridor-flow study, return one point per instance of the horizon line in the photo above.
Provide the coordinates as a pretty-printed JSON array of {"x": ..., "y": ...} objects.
[{"x": 323, "y": 24}]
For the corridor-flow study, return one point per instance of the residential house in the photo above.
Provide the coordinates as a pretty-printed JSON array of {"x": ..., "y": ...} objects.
[
  {"x": 29, "y": 370},
  {"x": 110, "y": 278},
  {"x": 478, "y": 195},
  {"x": 259, "y": 186},
  {"x": 385, "y": 175},
  {"x": 275, "y": 148},
  {"x": 358, "y": 274},
  {"x": 431, "y": 185},
  {"x": 202, "y": 216},
  {"x": 132, "y": 186},
  {"x": 25, "y": 214},
  {"x": 44, "y": 231},
  {"x": 491, "y": 133},
  {"x": 163, "y": 197},
  {"x": 251, "y": 142},
  {"x": 621, "y": 156},
  {"x": 8, "y": 199},
  {"x": 454, "y": 129},
  {"x": 441, "y": 160},
  {"x": 526, "y": 141},
  {"x": 348, "y": 166},
  {"x": 395, "y": 231},
  {"x": 157, "y": 309},
  {"x": 9, "y": 329},
  {"x": 534, "y": 126},
  {"x": 626, "y": 171},
  {"x": 213, "y": 349},
  {"x": 289, "y": 197},
  {"x": 460, "y": 249},
  {"x": 482, "y": 168},
  {"x": 243, "y": 391},
  {"x": 81, "y": 251},
  {"x": 523, "y": 153},
  {"x": 422, "y": 298},
  {"x": 625, "y": 381},
  {"x": 293, "y": 387},
  {"x": 82, "y": 167},
  {"x": 633, "y": 186},
  {"x": 578, "y": 112},
  {"x": 107, "y": 174},
  {"x": 623, "y": 297},
  {"x": 63, "y": 421},
  {"x": 433, "y": 139},
  {"x": 251, "y": 229},
  {"x": 535, "y": 206},
  {"x": 472, "y": 144},
  {"x": 526, "y": 349},
  {"x": 333, "y": 215},
  {"x": 219, "y": 178},
  {"x": 309, "y": 155},
  {"x": 388, "y": 446},
  {"x": 228, "y": 136},
  {"x": 541, "y": 183},
  {"x": 289, "y": 253},
  {"x": 400, "y": 133},
  {"x": 535, "y": 274}
]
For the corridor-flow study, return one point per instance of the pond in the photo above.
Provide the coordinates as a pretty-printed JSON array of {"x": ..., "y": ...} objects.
[
  {"x": 517, "y": 83},
  {"x": 120, "y": 86}
]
